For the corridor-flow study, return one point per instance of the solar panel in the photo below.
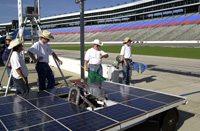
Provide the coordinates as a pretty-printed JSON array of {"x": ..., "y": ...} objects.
[
  {"x": 36, "y": 95},
  {"x": 2, "y": 128},
  {"x": 120, "y": 112},
  {"x": 63, "y": 110},
  {"x": 144, "y": 104},
  {"x": 120, "y": 97},
  {"x": 8, "y": 99},
  {"x": 44, "y": 110},
  {"x": 24, "y": 119},
  {"x": 49, "y": 126},
  {"x": 47, "y": 101},
  {"x": 167, "y": 99},
  {"x": 15, "y": 107},
  {"x": 59, "y": 91},
  {"x": 88, "y": 121}
]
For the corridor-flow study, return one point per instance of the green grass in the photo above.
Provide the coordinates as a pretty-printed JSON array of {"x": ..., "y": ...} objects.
[{"x": 193, "y": 53}]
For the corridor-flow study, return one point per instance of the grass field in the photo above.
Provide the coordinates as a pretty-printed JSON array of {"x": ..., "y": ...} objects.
[{"x": 193, "y": 53}]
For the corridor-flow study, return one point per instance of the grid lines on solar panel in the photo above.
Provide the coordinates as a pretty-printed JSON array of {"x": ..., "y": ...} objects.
[
  {"x": 36, "y": 95},
  {"x": 59, "y": 91},
  {"x": 2, "y": 128},
  {"x": 88, "y": 121},
  {"x": 23, "y": 119},
  {"x": 111, "y": 86},
  {"x": 120, "y": 97},
  {"x": 144, "y": 104},
  {"x": 99, "y": 91},
  {"x": 120, "y": 112},
  {"x": 139, "y": 92},
  {"x": 8, "y": 99},
  {"x": 63, "y": 110},
  {"x": 49, "y": 126},
  {"x": 47, "y": 101},
  {"x": 168, "y": 99},
  {"x": 15, "y": 107}
]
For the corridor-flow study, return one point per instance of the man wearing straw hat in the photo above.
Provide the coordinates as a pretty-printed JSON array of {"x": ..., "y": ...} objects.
[
  {"x": 94, "y": 56},
  {"x": 5, "y": 56},
  {"x": 19, "y": 69},
  {"x": 127, "y": 60},
  {"x": 40, "y": 52}
]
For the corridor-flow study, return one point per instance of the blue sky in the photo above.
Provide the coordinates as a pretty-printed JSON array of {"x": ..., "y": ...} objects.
[{"x": 9, "y": 11}]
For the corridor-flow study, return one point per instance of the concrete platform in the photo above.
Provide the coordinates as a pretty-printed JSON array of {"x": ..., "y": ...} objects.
[{"x": 171, "y": 75}]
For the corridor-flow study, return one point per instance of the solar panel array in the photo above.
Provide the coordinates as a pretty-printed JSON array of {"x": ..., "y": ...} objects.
[{"x": 44, "y": 110}]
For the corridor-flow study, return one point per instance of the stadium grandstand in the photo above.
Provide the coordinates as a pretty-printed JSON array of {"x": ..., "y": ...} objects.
[{"x": 144, "y": 20}]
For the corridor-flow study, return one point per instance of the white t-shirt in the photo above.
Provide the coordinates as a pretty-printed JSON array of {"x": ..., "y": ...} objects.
[
  {"x": 92, "y": 56},
  {"x": 17, "y": 62},
  {"x": 126, "y": 51},
  {"x": 41, "y": 50}
]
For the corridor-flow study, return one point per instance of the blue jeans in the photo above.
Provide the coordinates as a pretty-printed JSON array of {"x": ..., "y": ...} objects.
[
  {"x": 127, "y": 72},
  {"x": 8, "y": 72},
  {"x": 96, "y": 68},
  {"x": 21, "y": 88},
  {"x": 45, "y": 72}
]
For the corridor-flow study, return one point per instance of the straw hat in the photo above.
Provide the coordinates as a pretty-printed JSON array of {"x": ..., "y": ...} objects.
[
  {"x": 126, "y": 40},
  {"x": 97, "y": 42},
  {"x": 46, "y": 34},
  {"x": 15, "y": 43},
  {"x": 9, "y": 37}
]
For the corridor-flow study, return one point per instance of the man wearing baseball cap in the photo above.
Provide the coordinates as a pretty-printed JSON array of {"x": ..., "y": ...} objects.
[
  {"x": 40, "y": 52},
  {"x": 19, "y": 69},
  {"x": 5, "y": 56}
]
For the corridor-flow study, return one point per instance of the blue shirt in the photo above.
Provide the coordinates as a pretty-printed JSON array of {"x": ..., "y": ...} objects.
[{"x": 6, "y": 54}]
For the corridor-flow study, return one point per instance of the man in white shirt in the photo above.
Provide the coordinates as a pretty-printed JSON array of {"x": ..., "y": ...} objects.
[
  {"x": 40, "y": 52},
  {"x": 127, "y": 60},
  {"x": 19, "y": 69},
  {"x": 93, "y": 57}
]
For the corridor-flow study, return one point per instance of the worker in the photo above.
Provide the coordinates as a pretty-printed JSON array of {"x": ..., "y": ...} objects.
[
  {"x": 5, "y": 56},
  {"x": 19, "y": 69},
  {"x": 40, "y": 52},
  {"x": 94, "y": 56},
  {"x": 127, "y": 60}
]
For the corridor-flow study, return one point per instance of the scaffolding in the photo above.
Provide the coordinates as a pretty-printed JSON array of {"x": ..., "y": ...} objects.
[{"x": 32, "y": 14}]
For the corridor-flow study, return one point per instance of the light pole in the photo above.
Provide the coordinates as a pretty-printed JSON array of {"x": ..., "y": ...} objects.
[{"x": 81, "y": 36}]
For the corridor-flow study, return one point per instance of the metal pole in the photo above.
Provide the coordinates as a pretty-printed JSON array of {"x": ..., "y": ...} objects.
[
  {"x": 22, "y": 31},
  {"x": 61, "y": 72},
  {"x": 37, "y": 25},
  {"x": 7, "y": 87},
  {"x": 20, "y": 17},
  {"x": 39, "y": 10},
  {"x": 82, "y": 38}
]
